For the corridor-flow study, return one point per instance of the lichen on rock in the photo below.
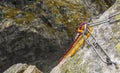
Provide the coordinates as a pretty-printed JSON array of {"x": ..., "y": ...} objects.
[{"x": 107, "y": 35}]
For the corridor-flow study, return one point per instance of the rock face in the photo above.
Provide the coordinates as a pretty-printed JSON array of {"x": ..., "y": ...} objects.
[
  {"x": 22, "y": 68},
  {"x": 27, "y": 45},
  {"x": 38, "y": 31},
  {"x": 108, "y": 36}
]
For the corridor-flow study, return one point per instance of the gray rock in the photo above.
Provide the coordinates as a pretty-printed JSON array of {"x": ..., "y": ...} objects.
[{"x": 86, "y": 60}]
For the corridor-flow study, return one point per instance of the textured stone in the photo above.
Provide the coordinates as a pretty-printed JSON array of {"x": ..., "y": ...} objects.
[
  {"x": 118, "y": 47},
  {"x": 32, "y": 69},
  {"x": 22, "y": 68},
  {"x": 17, "y": 68},
  {"x": 38, "y": 31},
  {"x": 86, "y": 60}
]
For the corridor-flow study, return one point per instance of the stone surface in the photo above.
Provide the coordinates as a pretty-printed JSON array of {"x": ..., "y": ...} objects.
[
  {"x": 17, "y": 68},
  {"x": 86, "y": 60},
  {"x": 22, "y": 68},
  {"x": 32, "y": 69},
  {"x": 38, "y": 31}
]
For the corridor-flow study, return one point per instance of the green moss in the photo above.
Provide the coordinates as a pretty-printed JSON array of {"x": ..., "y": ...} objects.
[
  {"x": 101, "y": 5},
  {"x": 51, "y": 30},
  {"x": 29, "y": 17},
  {"x": 63, "y": 12},
  {"x": 67, "y": 13},
  {"x": 11, "y": 12}
]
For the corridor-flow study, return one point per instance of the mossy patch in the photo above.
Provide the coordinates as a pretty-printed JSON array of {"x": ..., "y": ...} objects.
[
  {"x": 101, "y": 5},
  {"x": 68, "y": 13},
  {"x": 11, "y": 12},
  {"x": 28, "y": 18},
  {"x": 62, "y": 12}
]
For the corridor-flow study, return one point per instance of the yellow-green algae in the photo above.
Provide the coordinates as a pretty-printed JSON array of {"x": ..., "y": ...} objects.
[{"x": 117, "y": 47}]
